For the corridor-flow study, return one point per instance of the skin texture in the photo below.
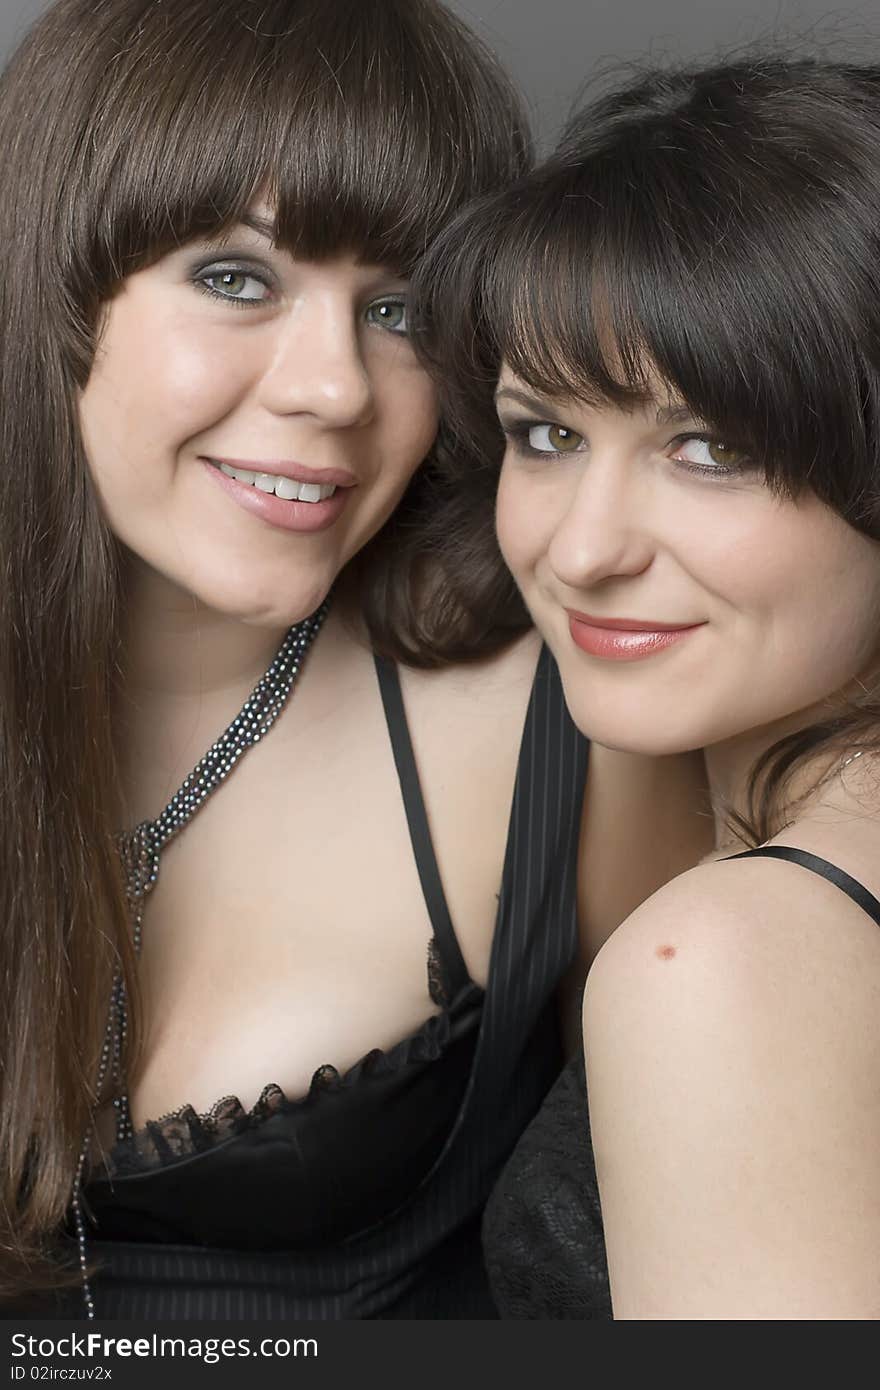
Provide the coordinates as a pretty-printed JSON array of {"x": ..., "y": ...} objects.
[
  {"x": 273, "y": 943},
  {"x": 731, "y": 1023},
  {"x": 296, "y": 366},
  {"x": 618, "y": 527}
]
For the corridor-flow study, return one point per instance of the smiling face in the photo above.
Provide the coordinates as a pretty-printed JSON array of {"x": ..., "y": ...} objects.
[
  {"x": 685, "y": 603},
  {"x": 251, "y": 420}
]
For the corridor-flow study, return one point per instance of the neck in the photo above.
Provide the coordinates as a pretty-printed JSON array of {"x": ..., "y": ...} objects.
[
  {"x": 729, "y": 765},
  {"x": 186, "y": 672},
  {"x": 176, "y": 647}
]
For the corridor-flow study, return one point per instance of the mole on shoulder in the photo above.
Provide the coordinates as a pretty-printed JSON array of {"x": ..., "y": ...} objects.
[{"x": 665, "y": 952}]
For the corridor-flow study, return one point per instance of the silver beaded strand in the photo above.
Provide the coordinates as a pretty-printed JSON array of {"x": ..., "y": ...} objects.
[{"x": 140, "y": 850}]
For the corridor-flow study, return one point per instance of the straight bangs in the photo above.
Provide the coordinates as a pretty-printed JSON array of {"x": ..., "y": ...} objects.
[
  {"x": 358, "y": 121},
  {"x": 690, "y": 256}
]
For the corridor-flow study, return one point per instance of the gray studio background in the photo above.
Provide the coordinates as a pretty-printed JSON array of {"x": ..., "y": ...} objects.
[{"x": 553, "y": 46}]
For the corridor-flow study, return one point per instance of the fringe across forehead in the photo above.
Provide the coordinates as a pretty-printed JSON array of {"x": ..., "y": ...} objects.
[
  {"x": 612, "y": 294},
  {"x": 716, "y": 237},
  {"x": 368, "y": 122}
]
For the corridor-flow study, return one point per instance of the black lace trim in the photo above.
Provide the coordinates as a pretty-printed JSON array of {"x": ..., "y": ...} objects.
[
  {"x": 438, "y": 986},
  {"x": 184, "y": 1132},
  {"x": 542, "y": 1228}
]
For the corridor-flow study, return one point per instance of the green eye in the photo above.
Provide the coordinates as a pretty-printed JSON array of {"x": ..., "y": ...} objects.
[
  {"x": 236, "y": 286},
  {"x": 231, "y": 283},
  {"x": 389, "y": 314}
]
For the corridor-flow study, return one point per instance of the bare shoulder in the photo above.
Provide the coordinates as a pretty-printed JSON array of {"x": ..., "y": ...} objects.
[
  {"x": 732, "y": 1037},
  {"x": 733, "y": 924}
]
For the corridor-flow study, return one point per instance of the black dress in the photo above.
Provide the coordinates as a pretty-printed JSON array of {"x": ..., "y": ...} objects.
[
  {"x": 363, "y": 1199},
  {"x": 545, "y": 1250}
]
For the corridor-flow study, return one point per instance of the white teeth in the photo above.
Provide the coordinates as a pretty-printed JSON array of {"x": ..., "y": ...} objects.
[
  {"x": 288, "y": 489},
  {"x": 242, "y": 475}
]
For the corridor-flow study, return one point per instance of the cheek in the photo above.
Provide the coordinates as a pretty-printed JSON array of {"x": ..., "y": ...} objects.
[
  {"x": 156, "y": 384},
  {"x": 425, "y": 419},
  {"x": 408, "y": 409},
  {"x": 810, "y": 572},
  {"x": 763, "y": 562},
  {"x": 836, "y": 610},
  {"x": 803, "y": 592},
  {"x": 520, "y": 525},
  {"x": 193, "y": 383}
]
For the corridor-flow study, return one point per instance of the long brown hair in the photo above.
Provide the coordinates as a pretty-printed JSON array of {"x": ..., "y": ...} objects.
[
  {"x": 129, "y": 127},
  {"x": 726, "y": 222}
]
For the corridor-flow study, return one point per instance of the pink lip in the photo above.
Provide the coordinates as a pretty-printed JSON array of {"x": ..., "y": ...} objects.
[
  {"x": 624, "y": 639},
  {"x": 301, "y": 517},
  {"x": 288, "y": 468}
]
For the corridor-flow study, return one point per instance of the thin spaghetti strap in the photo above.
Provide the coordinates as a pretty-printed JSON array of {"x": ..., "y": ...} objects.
[
  {"x": 454, "y": 968},
  {"x": 848, "y": 885}
]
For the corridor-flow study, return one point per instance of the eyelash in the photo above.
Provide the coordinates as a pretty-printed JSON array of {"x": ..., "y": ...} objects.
[
  {"x": 214, "y": 270},
  {"x": 389, "y": 300},
  {"x": 518, "y": 435},
  {"x": 717, "y": 470}
]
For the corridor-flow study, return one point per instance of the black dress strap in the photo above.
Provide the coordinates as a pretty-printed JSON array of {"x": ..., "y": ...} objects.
[
  {"x": 454, "y": 968},
  {"x": 848, "y": 885}
]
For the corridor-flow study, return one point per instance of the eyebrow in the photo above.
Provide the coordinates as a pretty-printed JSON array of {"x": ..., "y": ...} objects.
[
  {"x": 261, "y": 225},
  {"x": 674, "y": 414},
  {"x": 666, "y": 415},
  {"x": 510, "y": 393}
]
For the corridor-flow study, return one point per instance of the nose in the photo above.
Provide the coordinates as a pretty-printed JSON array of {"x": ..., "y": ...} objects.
[
  {"x": 315, "y": 365},
  {"x": 603, "y": 530}
]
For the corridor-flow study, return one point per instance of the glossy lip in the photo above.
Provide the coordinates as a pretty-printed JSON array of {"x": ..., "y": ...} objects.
[
  {"x": 301, "y": 517},
  {"x": 630, "y": 624},
  {"x": 624, "y": 639},
  {"x": 289, "y": 468}
]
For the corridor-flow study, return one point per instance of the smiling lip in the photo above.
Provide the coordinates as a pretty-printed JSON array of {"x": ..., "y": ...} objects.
[
  {"x": 300, "y": 517},
  {"x": 287, "y": 468},
  {"x": 624, "y": 639}
]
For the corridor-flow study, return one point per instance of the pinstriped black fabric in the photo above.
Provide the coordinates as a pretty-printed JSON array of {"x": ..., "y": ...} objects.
[{"x": 424, "y": 1260}]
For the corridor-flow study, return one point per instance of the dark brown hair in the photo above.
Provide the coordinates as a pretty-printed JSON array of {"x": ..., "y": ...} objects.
[
  {"x": 129, "y": 127},
  {"x": 725, "y": 223}
]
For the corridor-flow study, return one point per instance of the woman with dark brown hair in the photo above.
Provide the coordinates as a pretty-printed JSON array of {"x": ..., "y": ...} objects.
[
  {"x": 211, "y": 416},
  {"x": 680, "y": 316}
]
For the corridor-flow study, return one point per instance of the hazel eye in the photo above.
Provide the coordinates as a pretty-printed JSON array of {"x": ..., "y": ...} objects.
[
  {"x": 725, "y": 453},
  {"x": 389, "y": 314},
  {"x": 712, "y": 455},
  {"x": 554, "y": 439}
]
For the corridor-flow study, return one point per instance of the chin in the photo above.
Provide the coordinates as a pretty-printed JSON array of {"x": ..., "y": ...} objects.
[
  {"x": 646, "y": 742},
  {"x": 278, "y": 608},
  {"x": 642, "y": 730}
]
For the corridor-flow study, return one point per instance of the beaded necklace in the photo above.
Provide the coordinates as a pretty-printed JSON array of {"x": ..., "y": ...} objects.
[{"x": 140, "y": 851}]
